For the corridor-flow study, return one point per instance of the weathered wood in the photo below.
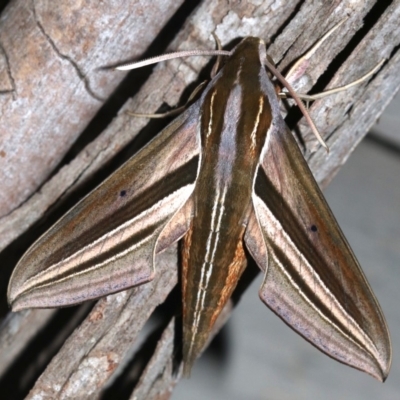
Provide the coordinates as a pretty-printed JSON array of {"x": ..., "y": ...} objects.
[
  {"x": 53, "y": 83},
  {"x": 343, "y": 119},
  {"x": 17, "y": 330},
  {"x": 94, "y": 351},
  {"x": 159, "y": 378},
  {"x": 162, "y": 372}
]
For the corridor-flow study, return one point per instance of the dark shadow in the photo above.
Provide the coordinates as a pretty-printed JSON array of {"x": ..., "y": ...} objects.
[
  {"x": 383, "y": 143},
  {"x": 122, "y": 387},
  {"x": 22, "y": 374}
]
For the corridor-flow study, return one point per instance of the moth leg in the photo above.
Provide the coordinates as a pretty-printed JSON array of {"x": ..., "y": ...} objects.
[
  {"x": 296, "y": 72},
  {"x": 178, "y": 110},
  {"x": 300, "y": 66},
  {"x": 175, "y": 111},
  {"x": 297, "y": 99},
  {"x": 316, "y": 96}
]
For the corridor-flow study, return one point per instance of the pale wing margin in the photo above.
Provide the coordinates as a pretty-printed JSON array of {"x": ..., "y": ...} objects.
[{"x": 106, "y": 243}]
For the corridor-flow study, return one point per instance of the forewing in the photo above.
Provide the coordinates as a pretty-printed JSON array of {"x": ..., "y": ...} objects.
[
  {"x": 312, "y": 280},
  {"x": 106, "y": 243}
]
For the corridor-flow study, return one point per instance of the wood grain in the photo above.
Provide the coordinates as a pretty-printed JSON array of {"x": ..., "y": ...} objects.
[{"x": 54, "y": 81}]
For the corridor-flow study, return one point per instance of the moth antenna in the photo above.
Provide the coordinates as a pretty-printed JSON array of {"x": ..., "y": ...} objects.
[
  {"x": 218, "y": 62},
  {"x": 312, "y": 97},
  {"x": 171, "y": 56},
  {"x": 300, "y": 65},
  {"x": 298, "y": 101}
]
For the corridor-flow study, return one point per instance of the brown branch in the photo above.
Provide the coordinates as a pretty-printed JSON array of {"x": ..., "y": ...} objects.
[{"x": 94, "y": 351}]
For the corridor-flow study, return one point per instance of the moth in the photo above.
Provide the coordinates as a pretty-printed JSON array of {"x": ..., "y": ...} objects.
[{"x": 224, "y": 175}]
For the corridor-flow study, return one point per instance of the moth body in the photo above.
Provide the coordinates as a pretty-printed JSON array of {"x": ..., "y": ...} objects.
[
  {"x": 225, "y": 174},
  {"x": 233, "y": 125}
]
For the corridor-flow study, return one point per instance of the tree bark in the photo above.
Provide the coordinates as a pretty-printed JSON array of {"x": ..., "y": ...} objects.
[
  {"x": 96, "y": 351},
  {"x": 53, "y": 63}
]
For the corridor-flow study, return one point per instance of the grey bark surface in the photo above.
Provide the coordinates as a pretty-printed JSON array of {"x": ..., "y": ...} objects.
[
  {"x": 95, "y": 353},
  {"x": 17, "y": 330},
  {"x": 53, "y": 82}
]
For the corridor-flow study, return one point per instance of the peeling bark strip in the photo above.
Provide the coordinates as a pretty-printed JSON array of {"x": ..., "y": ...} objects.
[{"x": 343, "y": 118}]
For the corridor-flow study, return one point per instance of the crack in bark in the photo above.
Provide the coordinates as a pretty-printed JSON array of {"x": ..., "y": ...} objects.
[
  {"x": 10, "y": 75},
  {"x": 80, "y": 74}
]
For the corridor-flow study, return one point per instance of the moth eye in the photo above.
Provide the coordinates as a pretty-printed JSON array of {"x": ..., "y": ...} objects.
[
  {"x": 122, "y": 193},
  {"x": 314, "y": 228}
]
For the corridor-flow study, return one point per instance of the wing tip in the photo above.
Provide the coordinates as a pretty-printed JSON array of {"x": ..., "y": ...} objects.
[
  {"x": 376, "y": 364},
  {"x": 377, "y": 371},
  {"x": 384, "y": 366},
  {"x": 21, "y": 302},
  {"x": 12, "y": 298}
]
